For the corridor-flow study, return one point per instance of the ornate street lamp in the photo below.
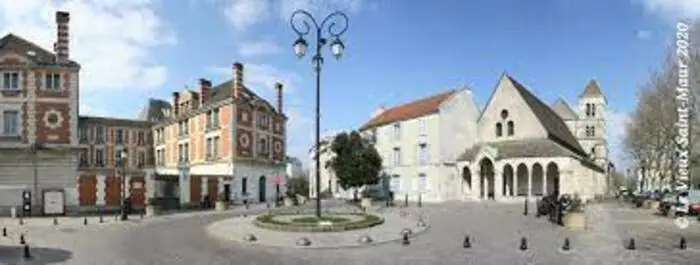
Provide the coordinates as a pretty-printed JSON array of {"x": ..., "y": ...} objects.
[
  {"x": 330, "y": 24},
  {"x": 122, "y": 156}
]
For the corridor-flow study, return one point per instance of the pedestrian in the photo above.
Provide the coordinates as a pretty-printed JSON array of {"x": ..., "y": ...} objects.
[{"x": 682, "y": 204}]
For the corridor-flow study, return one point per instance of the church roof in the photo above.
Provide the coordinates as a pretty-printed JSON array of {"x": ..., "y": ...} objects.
[
  {"x": 526, "y": 148},
  {"x": 41, "y": 56},
  {"x": 411, "y": 110},
  {"x": 556, "y": 128},
  {"x": 592, "y": 90},
  {"x": 564, "y": 110}
]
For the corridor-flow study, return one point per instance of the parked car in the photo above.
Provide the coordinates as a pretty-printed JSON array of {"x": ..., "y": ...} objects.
[
  {"x": 668, "y": 202},
  {"x": 694, "y": 199}
]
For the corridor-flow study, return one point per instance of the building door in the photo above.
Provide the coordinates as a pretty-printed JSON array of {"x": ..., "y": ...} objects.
[
  {"x": 227, "y": 192},
  {"x": 487, "y": 183},
  {"x": 261, "y": 188}
]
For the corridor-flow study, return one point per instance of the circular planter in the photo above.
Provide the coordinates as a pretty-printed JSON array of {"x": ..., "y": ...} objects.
[
  {"x": 574, "y": 221},
  {"x": 152, "y": 210},
  {"x": 288, "y": 202},
  {"x": 220, "y": 206},
  {"x": 354, "y": 221},
  {"x": 654, "y": 205},
  {"x": 366, "y": 203}
]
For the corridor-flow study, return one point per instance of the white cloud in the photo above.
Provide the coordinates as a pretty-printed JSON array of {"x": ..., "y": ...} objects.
[
  {"x": 258, "y": 48},
  {"x": 673, "y": 9},
  {"x": 244, "y": 13},
  {"x": 643, "y": 34},
  {"x": 111, "y": 39},
  {"x": 319, "y": 7}
]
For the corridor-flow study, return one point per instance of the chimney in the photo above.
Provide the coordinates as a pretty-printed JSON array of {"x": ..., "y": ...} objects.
[
  {"x": 237, "y": 79},
  {"x": 176, "y": 103},
  {"x": 204, "y": 89},
  {"x": 61, "y": 45},
  {"x": 278, "y": 87}
]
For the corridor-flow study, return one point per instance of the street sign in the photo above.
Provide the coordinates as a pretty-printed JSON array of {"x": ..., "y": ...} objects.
[{"x": 278, "y": 180}]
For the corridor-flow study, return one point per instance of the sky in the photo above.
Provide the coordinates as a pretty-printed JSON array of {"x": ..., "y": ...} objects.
[{"x": 396, "y": 51}]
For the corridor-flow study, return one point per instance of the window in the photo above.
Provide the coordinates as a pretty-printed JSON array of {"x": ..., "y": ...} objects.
[
  {"x": 244, "y": 186},
  {"x": 83, "y": 157},
  {"x": 213, "y": 119},
  {"x": 53, "y": 82},
  {"x": 10, "y": 81},
  {"x": 504, "y": 114},
  {"x": 511, "y": 129},
  {"x": 499, "y": 129},
  {"x": 10, "y": 123},
  {"x": 590, "y": 131},
  {"x": 83, "y": 134},
  {"x": 397, "y": 132},
  {"x": 120, "y": 136},
  {"x": 421, "y": 124},
  {"x": 590, "y": 110},
  {"x": 215, "y": 146},
  {"x": 180, "y": 152},
  {"x": 422, "y": 182},
  {"x": 263, "y": 121},
  {"x": 422, "y": 154},
  {"x": 141, "y": 159},
  {"x": 209, "y": 149},
  {"x": 262, "y": 145},
  {"x": 182, "y": 128},
  {"x": 397, "y": 156},
  {"x": 593, "y": 110},
  {"x": 100, "y": 134},
  {"x": 99, "y": 157},
  {"x": 395, "y": 185},
  {"x": 126, "y": 136},
  {"x": 140, "y": 138}
]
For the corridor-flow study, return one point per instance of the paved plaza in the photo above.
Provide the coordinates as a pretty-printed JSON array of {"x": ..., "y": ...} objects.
[{"x": 495, "y": 231}]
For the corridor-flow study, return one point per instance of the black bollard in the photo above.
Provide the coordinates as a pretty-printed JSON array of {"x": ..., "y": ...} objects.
[
  {"x": 631, "y": 245},
  {"x": 567, "y": 245},
  {"x": 525, "y": 207},
  {"x": 405, "y": 240},
  {"x": 387, "y": 203},
  {"x": 4, "y": 232},
  {"x": 246, "y": 204},
  {"x": 268, "y": 205},
  {"x": 55, "y": 221},
  {"x": 467, "y": 242},
  {"x": 523, "y": 244},
  {"x": 21, "y": 220},
  {"x": 27, "y": 254},
  {"x": 21, "y": 239},
  {"x": 84, "y": 220},
  {"x": 102, "y": 220},
  {"x": 420, "y": 200},
  {"x": 405, "y": 200},
  {"x": 683, "y": 244}
]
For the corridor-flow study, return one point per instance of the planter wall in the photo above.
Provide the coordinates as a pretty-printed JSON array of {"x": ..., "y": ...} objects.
[{"x": 575, "y": 221}]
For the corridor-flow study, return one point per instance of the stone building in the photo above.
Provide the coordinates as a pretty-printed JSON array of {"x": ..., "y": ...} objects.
[
  {"x": 100, "y": 171},
  {"x": 39, "y": 115},
  {"x": 221, "y": 140},
  {"x": 444, "y": 148}
]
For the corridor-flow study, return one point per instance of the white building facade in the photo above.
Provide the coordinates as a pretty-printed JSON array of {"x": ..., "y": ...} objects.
[{"x": 444, "y": 148}]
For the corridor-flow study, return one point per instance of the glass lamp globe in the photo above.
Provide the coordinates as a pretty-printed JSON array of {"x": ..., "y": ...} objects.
[{"x": 300, "y": 47}]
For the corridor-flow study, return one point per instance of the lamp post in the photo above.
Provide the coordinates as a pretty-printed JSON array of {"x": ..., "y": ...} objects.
[
  {"x": 334, "y": 30},
  {"x": 611, "y": 170},
  {"x": 122, "y": 164}
]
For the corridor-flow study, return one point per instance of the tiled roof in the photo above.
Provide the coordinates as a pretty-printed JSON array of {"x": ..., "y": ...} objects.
[
  {"x": 555, "y": 126},
  {"x": 16, "y": 44},
  {"x": 526, "y": 148},
  {"x": 410, "y": 110},
  {"x": 84, "y": 120},
  {"x": 224, "y": 91},
  {"x": 564, "y": 110},
  {"x": 592, "y": 90}
]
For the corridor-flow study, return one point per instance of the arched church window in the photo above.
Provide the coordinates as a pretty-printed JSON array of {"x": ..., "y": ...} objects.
[
  {"x": 592, "y": 131},
  {"x": 499, "y": 129},
  {"x": 592, "y": 110},
  {"x": 511, "y": 129}
]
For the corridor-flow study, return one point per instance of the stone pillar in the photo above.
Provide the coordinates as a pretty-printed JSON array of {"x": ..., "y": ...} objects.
[
  {"x": 529, "y": 182},
  {"x": 184, "y": 186},
  {"x": 476, "y": 186},
  {"x": 497, "y": 183},
  {"x": 544, "y": 183},
  {"x": 127, "y": 186},
  {"x": 150, "y": 184},
  {"x": 101, "y": 189},
  {"x": 515, "y": 183},
  {"x": 204, "y": 184}
]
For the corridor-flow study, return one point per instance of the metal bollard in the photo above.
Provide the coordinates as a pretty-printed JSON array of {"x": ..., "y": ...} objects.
[
  {"x": 4, "y": 232},
  {"x": 55, "y": 221},
  {"x": 85, "y": 222},
  {"x": 27, "y": 254},
  {"x": 523, "y": 244},
  {"x": 567, "y": 245},
  {"x": 420, "y": 200},
  {"x": 683, "y": 244},
  {"x": 631, "y": 245},
  {"x": 21, "y": 239},
  {"x": 405, "y": 240},
  {"x": 525, "y": 207},
  {"x": 467, "y": 242},
  {"x": 405, "y": 200}
]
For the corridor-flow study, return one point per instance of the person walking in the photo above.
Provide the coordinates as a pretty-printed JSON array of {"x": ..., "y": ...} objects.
[{"x": 682, "y": 204}]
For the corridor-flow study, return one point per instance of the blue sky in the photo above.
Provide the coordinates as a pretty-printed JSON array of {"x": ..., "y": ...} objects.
[{"x": 397, "y": 50}]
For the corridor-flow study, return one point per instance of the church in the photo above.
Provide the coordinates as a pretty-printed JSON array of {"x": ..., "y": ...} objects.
[{"x": 445, "y": 148}]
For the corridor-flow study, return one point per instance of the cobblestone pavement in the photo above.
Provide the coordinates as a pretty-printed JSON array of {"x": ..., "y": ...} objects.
[{"x": 494, "y": 229}]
